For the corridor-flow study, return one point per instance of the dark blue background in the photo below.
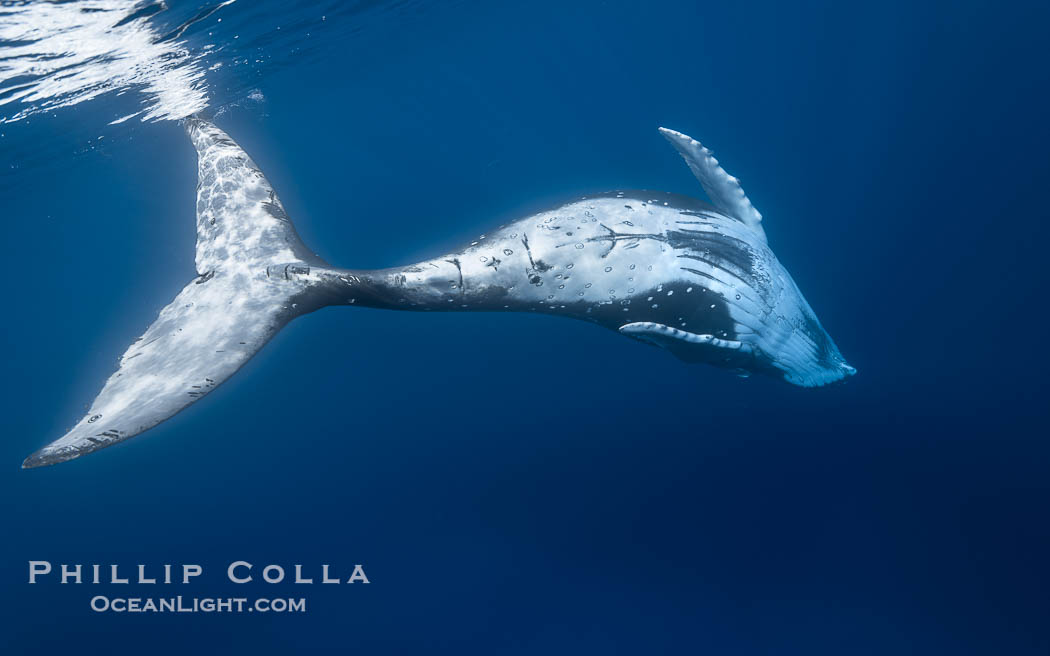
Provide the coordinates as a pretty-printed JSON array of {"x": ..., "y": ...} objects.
[{"x": 527, "y": 484}]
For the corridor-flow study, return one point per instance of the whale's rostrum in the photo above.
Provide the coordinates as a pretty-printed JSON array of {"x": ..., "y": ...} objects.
[{"x": 695, "y": 279}]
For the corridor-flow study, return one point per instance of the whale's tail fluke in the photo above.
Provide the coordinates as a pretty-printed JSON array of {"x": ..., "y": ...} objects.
[{"x": 218, "y": 321}]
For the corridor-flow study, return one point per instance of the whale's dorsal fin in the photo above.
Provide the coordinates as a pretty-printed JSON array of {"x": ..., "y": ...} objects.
[
  {"x": 724, "y": 190},
  {"x": 218, "y": 321}
]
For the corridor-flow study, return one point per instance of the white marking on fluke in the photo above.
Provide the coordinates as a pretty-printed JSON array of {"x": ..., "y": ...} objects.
[{"x": 216, "y": 323}]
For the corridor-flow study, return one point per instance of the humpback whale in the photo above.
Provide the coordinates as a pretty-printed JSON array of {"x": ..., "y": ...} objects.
[{"x": 692, "y": 278}]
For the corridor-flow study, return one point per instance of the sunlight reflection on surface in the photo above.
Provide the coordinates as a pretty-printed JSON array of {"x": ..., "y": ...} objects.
[{"x": 59, "y": 55}]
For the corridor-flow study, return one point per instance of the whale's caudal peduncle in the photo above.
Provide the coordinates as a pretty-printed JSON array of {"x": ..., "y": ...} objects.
[{"x": 695, "y": 279}]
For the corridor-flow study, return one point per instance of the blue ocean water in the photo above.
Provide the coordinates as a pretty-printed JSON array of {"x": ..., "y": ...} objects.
[{"x": 518, "y": 483}]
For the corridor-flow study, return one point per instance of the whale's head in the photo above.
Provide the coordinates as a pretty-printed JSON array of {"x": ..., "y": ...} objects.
[
  {"x": 735, "y": 306},
  {"x": 790, "y": 342},
  {"x": 796, "y": 347},
  {"x": 767, "y": 325}
]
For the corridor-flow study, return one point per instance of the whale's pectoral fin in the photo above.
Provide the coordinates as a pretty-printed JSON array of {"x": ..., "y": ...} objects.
[
  {"x": 685, "y": 345},
  {"x": 218, "y": 321},
  {"x": 723, "y": 189}
]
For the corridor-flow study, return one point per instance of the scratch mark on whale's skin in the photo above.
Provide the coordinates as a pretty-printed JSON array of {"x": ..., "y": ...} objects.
[
  {"x": 454, "y": 261},
  {"x": 706, "y": 288}
]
